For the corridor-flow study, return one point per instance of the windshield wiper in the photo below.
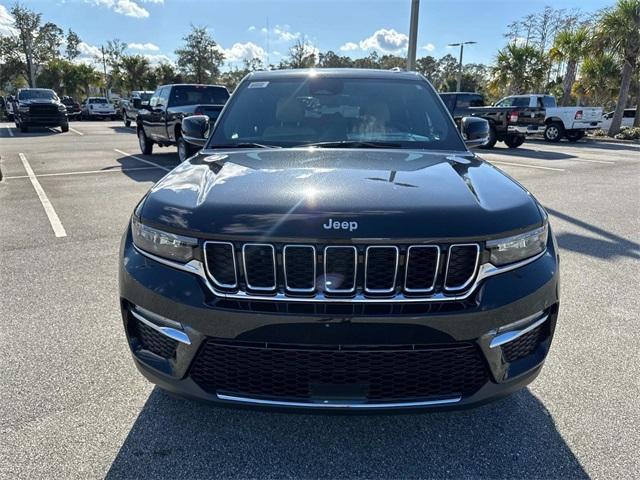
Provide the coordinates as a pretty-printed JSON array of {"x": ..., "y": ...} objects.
[
  {"x": 245, "y": 145},
  {"x": 352, "y": 144}
]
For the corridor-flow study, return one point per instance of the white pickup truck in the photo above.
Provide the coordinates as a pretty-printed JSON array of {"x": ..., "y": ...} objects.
[{"x": 539, "y": 113}]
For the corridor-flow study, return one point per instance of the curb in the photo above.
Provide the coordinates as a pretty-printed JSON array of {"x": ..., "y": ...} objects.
[{"x": 611, "y": 140}]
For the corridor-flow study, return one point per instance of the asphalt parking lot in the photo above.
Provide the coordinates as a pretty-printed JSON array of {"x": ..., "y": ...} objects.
[{"x": 73, "y": 405}]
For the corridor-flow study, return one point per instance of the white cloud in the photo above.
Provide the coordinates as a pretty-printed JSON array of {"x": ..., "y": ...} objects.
[
  {"x": 151, "y": 47},
  {"x": 125, "y": 7},
  {"x": 89, "y": 51},
  {"x": 429, "y": 47},
  {"x": 349, "y": 46},
  {"x": 158, "y": 58},
  {"x": 251, "y": 28},
  {"x": 152, "y": 1},
  {"x": 6, "y": 22},
  {"x": 243, "y": 51},
  {"x": 386, "y": 40},
  {"x": 279, "y": 33}
]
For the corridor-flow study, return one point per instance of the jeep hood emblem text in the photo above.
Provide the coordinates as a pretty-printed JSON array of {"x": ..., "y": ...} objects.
[{"x": 336, "y": 225}]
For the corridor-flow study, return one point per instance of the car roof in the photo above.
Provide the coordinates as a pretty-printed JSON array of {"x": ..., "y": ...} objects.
[
  {"x": 335, "y": 72},
  {"x": 191, "y": 85}
]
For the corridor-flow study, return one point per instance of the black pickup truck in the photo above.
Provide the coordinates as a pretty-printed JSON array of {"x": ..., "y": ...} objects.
[
  {"x": 160, "y": 122},
  {"x": 502, "y": 120},
  {"x": 39, "y": 107}
]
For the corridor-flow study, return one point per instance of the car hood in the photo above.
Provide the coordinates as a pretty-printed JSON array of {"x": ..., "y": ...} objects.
[{"x": 293, "y": 193}]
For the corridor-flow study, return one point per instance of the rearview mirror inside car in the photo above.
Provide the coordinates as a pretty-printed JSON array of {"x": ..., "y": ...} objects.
[
  {"x": 475, "y": 131},
  {"x": 195, "y": 129}
]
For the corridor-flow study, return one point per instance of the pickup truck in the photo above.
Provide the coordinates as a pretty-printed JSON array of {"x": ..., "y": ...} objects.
[
  {"x": 97, "y": 107},
  {"x": 73, "y": 107},
  {"x": 501, "y": 119},
  {"x": 131, "y": 105},
  {"x": 39, "y": 107},
  {"x": 160, "y": 122},
  {"x": 539, "y": 113}
]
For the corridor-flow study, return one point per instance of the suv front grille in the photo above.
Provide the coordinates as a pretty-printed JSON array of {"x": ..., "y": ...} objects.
[
  {"x": 302, "y": 372},
  {"x": 384, "y": 271}
]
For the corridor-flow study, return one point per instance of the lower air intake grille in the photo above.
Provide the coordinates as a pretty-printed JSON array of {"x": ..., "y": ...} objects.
[
  {"x": 525, "y": 345},
  {"x": 304, "y": 373},
  {"x": 153, "y": 340}
]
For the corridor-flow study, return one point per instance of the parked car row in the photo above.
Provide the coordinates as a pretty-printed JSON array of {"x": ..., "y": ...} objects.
[{"x": 515, "y": 117}]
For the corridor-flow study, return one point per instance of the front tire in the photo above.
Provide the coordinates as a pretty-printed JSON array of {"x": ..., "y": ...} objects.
[
  {"x": 64, "y": 127},
  {"x": 146, "y": 145},
  {"x": 514, "y": 141},
  {"x": 127, "y": 122},
  {"x": 493, "y": 138},
  {"x": 554, "y": 132}
]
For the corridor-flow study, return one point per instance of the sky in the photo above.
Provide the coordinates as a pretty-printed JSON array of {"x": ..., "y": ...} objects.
[{"x": 266, "y": 29}]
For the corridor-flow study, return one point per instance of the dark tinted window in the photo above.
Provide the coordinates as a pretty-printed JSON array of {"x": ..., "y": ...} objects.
[
  {"x": 548, "y": 101},
  {"x": 37, "y": 94},
  {"x": 196, "y": 94},
  {"x": 476, "y": 101},
  {"x": 630, "y": 113},
  {"x": 98, "y": 100},
  {"x": 449, "y": 101},
  {"x": 296, "y": 111}
]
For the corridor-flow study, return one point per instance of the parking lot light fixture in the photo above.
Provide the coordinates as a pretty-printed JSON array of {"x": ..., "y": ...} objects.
[{"x": 461, "y": 45}]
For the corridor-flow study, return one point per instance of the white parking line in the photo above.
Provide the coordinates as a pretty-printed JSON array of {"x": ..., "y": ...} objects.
[
  {"x": 54, "y": 220},
  {"x": 142, "y": 160},
  {"x": 591, "y": 161},
  {"x": 78, "y": 132},
  {"x": 527, "y": 166},
  {"x": 84, "y": 172},
  {"x": 10, "y": 130}
]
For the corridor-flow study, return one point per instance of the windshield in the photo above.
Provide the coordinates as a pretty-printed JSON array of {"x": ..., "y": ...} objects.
[
  {"x": 37, "y": 94},
  {"x": 198, "y": 94},
  {"x": 298, "y": 111},
  {"x": 98, "y": 100},
  {"x": 146, "y": 96}
]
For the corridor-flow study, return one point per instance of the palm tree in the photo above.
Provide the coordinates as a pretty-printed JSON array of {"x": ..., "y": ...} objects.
[
  {"x": 599, "y": 78},
  {"x": 570, "y": 46},
  {"x": 136, "y": 69},
  {"x": 520, "y": 69},
  {"x": 618, "y": 32}
]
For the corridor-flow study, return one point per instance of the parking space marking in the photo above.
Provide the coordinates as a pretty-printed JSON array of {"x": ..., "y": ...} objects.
[
  {"x": 77, "y": 132},
  {"x": 527, "y": 166},
  {"x": 590, "y": 160},
  {"x": 142, "y": 160},
  {"x": 54, "y": 220},
  {"x": 83, "y": 172},
  {"x": 10, "y": 130}
]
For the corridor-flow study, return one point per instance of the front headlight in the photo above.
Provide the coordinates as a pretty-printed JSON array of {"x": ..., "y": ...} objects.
[
  {"x": 519, "y": 247},
  {"x": 163, "y": 244},
  {"x": 62, "y": 108}
]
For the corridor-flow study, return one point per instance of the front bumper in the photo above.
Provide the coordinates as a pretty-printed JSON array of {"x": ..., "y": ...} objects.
[
  {"x": 43, "y": 120},
  {"x": 497, "y": 325},
  {"x": 93, "y": 113}
]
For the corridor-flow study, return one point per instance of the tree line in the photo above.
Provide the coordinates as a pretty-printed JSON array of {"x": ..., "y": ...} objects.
[{"x": 585, "y": 59}]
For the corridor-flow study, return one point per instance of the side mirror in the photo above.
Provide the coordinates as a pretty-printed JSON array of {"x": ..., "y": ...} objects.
[
  {"x": 475, "y": 131},
  {"x": 195, "y": 129}
]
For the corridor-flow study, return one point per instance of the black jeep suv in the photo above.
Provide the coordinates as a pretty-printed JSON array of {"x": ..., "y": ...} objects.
[
  {"x": 335, "y": 245},
  {"x": 39, "y": 107}
]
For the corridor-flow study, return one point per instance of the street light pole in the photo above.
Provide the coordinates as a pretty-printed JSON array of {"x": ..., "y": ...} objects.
[
  {"x": 461, "y": 45},
  {"x": 413, "y": 35}
]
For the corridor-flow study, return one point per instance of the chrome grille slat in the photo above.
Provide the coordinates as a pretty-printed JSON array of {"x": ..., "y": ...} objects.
[
  {"x": 472, "y": 274},
  {"x": 327, "y": 279},
  {"x": 312, "y": 282},
  {"x": 209, "y": 262},
  {"x": 409, "y": 264},
  {"x": 262, "y": 288},
  {"x": 368, "y": 254}
]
